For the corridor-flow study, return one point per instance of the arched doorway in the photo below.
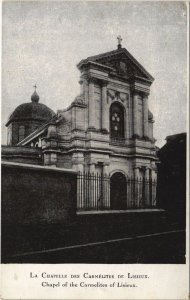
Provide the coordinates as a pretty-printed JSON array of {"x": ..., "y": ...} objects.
[{"x": 118, "y": 191}]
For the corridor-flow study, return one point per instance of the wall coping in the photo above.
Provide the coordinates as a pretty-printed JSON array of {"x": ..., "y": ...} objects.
[
  {"x": 36, "y": 167},
  {"x": 100, "y": 212}
]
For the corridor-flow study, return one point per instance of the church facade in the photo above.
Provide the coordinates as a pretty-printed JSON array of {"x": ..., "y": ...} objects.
[{"x": 106, "y": 135}]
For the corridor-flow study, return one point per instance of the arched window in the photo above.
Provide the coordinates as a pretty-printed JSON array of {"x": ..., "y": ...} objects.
[
  {"x": 116, "y": 121},
  {"x": 21, "y": 133}
]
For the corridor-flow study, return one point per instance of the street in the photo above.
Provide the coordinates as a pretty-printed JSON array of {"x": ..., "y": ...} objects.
[{"x": 165, "y": 247}]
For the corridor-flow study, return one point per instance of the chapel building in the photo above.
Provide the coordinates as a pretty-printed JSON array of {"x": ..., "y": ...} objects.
[{"x": 106, "y": 134}]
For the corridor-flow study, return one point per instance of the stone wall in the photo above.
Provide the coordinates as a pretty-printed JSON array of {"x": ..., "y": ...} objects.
[{"x": 36, "y": 194}]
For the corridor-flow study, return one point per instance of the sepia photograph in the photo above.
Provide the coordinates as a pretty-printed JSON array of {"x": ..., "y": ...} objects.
[{"x": 94, "y": 126}]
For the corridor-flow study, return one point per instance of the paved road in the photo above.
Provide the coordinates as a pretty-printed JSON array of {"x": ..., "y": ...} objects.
[{"x": 163, "y": 247}]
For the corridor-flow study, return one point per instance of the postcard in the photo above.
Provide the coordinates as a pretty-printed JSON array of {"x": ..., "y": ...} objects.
[{"x": 94, "y": 155}]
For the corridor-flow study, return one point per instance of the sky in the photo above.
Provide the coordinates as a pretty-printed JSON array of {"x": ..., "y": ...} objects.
[{"x": 42, "y": 42}]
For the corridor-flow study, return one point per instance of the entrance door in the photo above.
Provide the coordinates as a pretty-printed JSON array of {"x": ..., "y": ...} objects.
[{"x": 118, "y": 191}]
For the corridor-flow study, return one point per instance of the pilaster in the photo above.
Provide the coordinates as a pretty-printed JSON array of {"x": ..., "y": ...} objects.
[
  {"x": 91, "y": 106},
  {"x": 50, "y": 158},
  {"x": 81, "y": 82},
  {"x": 136, "y": 199},
  {"x": 136, "y": 172},
  {"x": 105, "y": 170},
  {"x": 106, "y": 186},
  {"x": 92, "y": 168},
  {"x": 135, "y": 116},
  {"x": 78, "y": 162},
  {"x": 147, "y": 187},
  {"x": 153, "y": 175},
  {"x": 85, "y": 83},
  {"x": 145, "y": 116},
  {"x": 50, "y": 146},
  {"x": 104, "y": 111}
]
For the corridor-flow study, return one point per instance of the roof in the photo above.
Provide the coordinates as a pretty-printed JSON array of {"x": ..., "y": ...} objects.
[
  {"x": 31, "y": 111},
  {"x": 39, "y": 130},
  {"x": 174, "y": 148},
  {"x": 115, "y": 53},
  {"x": 176, "y": 137}
]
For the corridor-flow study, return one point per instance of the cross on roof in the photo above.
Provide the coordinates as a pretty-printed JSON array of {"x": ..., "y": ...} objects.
[
  {"x": 35, "y": 86},
  {"x": 119, "y": 39}
]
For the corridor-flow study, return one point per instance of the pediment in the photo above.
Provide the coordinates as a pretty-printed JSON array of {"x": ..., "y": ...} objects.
[
  {"x": 125, "y": 66},
  {"x": 121, "y": 62}
]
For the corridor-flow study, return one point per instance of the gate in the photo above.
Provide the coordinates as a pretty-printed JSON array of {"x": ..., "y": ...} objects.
[{"x": 98, "y": 192}]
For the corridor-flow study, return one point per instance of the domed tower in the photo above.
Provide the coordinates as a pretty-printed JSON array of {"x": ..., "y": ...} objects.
[{"x": 26, "y": 118}]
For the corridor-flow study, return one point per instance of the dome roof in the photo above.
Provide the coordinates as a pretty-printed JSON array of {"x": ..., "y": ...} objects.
[{"x": 31, "y": 111}]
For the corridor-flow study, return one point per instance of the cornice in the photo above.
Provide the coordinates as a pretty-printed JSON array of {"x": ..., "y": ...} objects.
[
  {"x": 95, "y": 78},
  {"x": 99, "y": 66}
]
